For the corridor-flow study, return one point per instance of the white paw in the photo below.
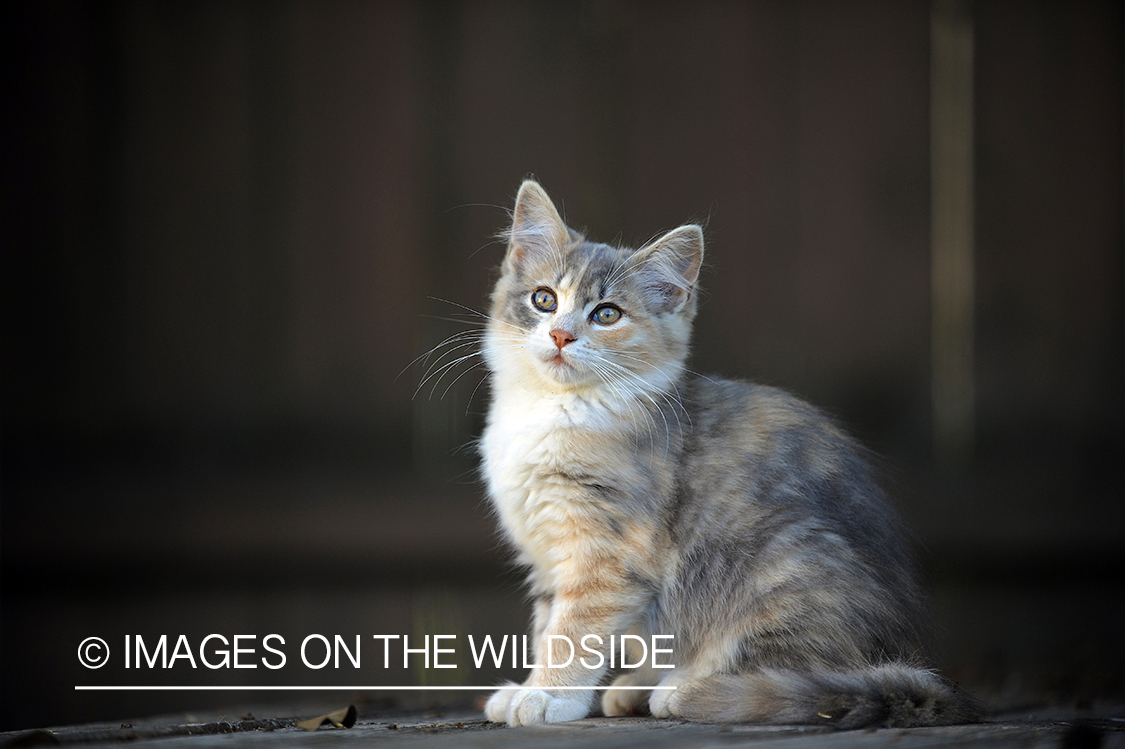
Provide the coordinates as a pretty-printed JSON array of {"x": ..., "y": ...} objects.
[
  {"x": 660, "y": 703},
  {"x": 617, "y": 702},
  {"x": 496, "y": 709},
  {"x": 530, "y": 707},
  {"x": 620, "y": 702}
]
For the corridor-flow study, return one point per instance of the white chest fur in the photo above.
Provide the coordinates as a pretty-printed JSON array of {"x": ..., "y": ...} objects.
[{"x": 538, "y": 450}]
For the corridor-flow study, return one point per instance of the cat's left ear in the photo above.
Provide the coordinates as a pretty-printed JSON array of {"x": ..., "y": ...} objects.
[
  {"x": 537, "y": 228},
  {"x": 669, "y": 267}
]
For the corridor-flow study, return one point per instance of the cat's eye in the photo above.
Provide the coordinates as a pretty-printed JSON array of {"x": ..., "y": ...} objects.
[
  {"x": 544, "y": 300},
  {"x": 607, "y": 314}
]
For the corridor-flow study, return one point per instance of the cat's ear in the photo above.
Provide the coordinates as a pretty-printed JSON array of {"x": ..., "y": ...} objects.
[
  {"x": 669, "y": 267},
  {"x": 537, "y": 228}
]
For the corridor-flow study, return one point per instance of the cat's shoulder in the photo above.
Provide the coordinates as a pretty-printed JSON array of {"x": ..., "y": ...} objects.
[
  {"x": 723, "y": 396},
  {"x": 721, "y": 405}
]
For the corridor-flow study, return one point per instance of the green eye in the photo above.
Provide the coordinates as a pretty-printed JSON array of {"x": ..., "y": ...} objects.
[
  {"x": 607, "y": 314},
  {"x": 544, "y": 300}
]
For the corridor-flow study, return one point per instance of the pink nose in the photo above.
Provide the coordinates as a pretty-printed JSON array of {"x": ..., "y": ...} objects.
[{"x": 562, "y": 337}]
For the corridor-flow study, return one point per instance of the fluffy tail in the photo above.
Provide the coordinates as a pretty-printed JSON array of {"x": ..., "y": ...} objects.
[{"x": 889, "y": 695}]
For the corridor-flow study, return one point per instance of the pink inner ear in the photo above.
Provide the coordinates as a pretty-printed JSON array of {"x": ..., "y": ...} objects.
[
  {"x": 669, "y": 293},
  {"x": 515, "y": 252},
  {"x": 691, "y": 269},
  {"x": 674, "y": 292}
]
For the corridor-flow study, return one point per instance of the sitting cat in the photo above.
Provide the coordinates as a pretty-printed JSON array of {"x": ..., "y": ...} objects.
[{"x": 651, "y": 501}]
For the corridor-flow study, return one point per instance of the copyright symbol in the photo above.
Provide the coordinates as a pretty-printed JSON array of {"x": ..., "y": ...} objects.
[{"x": 93, "y": 652}]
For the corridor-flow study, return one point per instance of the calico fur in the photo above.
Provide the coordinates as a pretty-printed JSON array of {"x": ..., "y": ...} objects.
[{"x": 645, "y": 499}]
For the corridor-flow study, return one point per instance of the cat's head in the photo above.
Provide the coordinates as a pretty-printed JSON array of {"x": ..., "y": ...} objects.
[{"x": 568, "y": 314}]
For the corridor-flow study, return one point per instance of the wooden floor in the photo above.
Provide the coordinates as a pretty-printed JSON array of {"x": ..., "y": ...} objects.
[{"x": 1094, "y": 726}]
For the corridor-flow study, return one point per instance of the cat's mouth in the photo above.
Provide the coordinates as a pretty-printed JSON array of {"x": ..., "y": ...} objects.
[
  {"x": 554, "y": 357},
  {"x": 560, "y": 365}
]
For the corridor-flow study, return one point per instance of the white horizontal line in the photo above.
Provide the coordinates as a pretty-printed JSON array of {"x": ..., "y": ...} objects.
[{"x": 196, "y": 688}]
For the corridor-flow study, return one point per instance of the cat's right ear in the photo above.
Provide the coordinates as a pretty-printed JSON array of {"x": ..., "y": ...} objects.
[
  {"x": 669, "y": 267},
  {"x": 537, "y": 228}
]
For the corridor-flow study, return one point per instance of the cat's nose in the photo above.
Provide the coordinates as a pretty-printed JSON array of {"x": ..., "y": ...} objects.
[{"x": 562, "y": 337}]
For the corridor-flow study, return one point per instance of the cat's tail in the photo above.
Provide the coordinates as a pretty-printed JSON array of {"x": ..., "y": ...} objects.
[{"x": 887, "y": 695}]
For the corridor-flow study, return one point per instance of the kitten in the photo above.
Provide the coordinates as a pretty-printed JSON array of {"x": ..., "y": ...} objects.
[{"x": 651, "y": 501}]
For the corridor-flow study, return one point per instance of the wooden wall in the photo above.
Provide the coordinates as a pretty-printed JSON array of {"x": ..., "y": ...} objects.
[{"x": 228, "y": 227}]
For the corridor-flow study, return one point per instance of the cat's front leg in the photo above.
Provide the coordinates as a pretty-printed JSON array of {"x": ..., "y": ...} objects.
[
  {"x": 497, "y": 707},
  {"x": 540, "y": 618},
  {"x": 572, "y": 656},
  {"x": 558, "y": 664}
]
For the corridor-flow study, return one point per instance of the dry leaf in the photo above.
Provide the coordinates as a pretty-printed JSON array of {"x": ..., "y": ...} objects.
[{"x": 339, "y": 719}]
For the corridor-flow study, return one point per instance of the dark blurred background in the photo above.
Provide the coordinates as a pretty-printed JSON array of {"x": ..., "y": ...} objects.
[{"x": 230, "y": 227}]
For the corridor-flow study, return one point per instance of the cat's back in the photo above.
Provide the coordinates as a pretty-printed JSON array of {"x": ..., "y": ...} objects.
[
  {"x": 758, "y": 458},
  {"x": 776, "y": 505}
]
